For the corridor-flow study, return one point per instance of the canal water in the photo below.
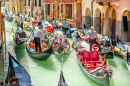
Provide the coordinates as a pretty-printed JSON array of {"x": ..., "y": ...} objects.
[{"x": 47, "y": 72}]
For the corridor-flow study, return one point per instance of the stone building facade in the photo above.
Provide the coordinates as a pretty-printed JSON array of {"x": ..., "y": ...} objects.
[
  {"x": 34, "y": 7},
  {"x": 60, "y": 9},
  {"x": 13, "y": 5},
  {"x": 109, "y": 17}
]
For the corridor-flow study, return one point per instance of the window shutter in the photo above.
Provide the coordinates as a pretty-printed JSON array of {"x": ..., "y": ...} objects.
[
  {"x": 39, "y": 3},
  {"x": 28, "y": 2},
  {"x": 35, "y": 2},
  {"x": 25, "y": 2}
]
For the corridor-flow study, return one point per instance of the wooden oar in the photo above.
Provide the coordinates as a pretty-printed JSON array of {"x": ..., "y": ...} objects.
[{"x": 76, "y": 46}]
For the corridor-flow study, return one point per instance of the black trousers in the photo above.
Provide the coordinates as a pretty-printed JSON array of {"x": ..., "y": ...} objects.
[
  {"x": 39, "y": 23},
  {"x": 18, "y": 15},
  {"x": 91, "y": 43},
  {"x": 22, "y": 26},
  {"x": 65, "y": 29},
  {"x": 37, "y": 43}
]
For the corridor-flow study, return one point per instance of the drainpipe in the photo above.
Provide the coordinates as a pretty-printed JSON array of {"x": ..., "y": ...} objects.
[{"x": 92, "y": 13}]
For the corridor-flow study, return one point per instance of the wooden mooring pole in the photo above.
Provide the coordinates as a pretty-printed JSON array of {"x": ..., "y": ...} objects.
[
  {"x": 1, "y": 28},
  {"x": 2, "y": 41},
  {"x": 4, "y": 33}
]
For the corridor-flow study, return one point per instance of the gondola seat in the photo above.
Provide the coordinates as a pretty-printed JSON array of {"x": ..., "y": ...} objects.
[
  {"x": 94, "y": 57},
  {"x": 84, "y": 55},
  {"x": 21, "y": 34},
  {"x": 90, "y": 58}
]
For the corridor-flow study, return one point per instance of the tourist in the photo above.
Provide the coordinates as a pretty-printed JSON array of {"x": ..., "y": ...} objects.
[
  {"x": 54, "y": 24},
  {"x": 18, "y": 12},
  {"x": 37, "y": 37},
  {"x": 29, "y": 18},
  {"x": 21, "y": 22},
  {"x": 56, "y": 40},
  {"x": 65, "y": 25},
  {"x": 39, "y": 20},
  {"x": 92, "y": 38},
  {"x": 49, "y": 19}
]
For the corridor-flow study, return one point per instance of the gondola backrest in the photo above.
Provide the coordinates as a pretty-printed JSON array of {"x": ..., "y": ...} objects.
[
  {"x": 85, "y": 55},
  {"x": 94, "y": 56},
  {"x": 22, "y": 34}
]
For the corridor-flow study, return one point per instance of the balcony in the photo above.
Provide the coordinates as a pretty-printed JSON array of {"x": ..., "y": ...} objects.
[{"x": 106, "y": 0}]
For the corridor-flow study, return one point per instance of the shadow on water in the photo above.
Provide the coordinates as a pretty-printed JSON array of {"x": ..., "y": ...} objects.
[
  {"x": 112, "y": 82},
  {"x": 48, "y": 63},
  {"x": 20, "y": 51},
  {"x": 123, "y": 62},
  {"x": 59, "y": 58},
  {"x": 119, "y": 56},
  {"x": 88, "y": 79},
  {"x": 112, "y": 63},
  {"x": 124, "y": 65}
]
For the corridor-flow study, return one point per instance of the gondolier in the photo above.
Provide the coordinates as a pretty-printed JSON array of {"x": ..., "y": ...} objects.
[
  {"x": 39, "y": 20},
  {"x": 18, "y": 12},
  {"x": 65, "y": 25},
  {"x": 92, "y": 38},
  {"x": 37, "y": 37},
  {"x": 21, "y": 22}
]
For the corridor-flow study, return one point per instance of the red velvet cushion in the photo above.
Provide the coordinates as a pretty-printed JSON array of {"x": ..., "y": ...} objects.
[
  {"x": 33, "y": 46},
  {"x": 99, "y": 64},
  {"x": 44, "y": 45},
  {"x": 90, "y": 66},
  {"x": 85, "y": 55},
  {"x": 94, "y": 62},
  {"x": 94, "y": 56},
  {"x": 55, "y": 44},
  {"x": 65, "y": 45}
]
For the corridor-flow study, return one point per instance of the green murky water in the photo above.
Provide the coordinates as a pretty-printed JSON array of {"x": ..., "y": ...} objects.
[{"x": 46, "y": 73}]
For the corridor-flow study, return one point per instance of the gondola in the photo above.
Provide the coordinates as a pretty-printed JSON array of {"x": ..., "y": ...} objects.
[
  {"x": 120, "y": 50},
  {"x": 109, "y": 51},
  {"x": 46, "y": 52},
  {"x": 95, "y": 66},
  {"x": 62, "y": 81},
  {"x": 61, "y": 47},
  {"x": 27, "y": 25},
  {"x": 17, "y": 75},
  {"x": 9, "y": 18},
  {"x": 20, "y": 36}
]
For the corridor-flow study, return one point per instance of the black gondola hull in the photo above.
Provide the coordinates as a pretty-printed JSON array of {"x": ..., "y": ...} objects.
[{"x": 40, "y": 55}]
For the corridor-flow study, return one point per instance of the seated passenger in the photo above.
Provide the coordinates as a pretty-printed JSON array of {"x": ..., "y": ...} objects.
[
  {"x": 56, "y": 39},
  {"x": 64, "y": 39}
]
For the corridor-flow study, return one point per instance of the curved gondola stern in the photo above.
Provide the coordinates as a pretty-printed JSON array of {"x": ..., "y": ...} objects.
[
  {"x": 10, "y": 68},
  {"x": 62, "y": 81},
  {"x": 128, "y": 60}
]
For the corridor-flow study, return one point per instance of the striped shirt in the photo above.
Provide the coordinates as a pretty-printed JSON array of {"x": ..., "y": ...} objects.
[{"x": 39, "y": 19}]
